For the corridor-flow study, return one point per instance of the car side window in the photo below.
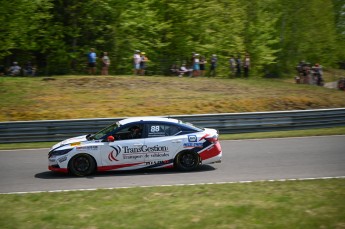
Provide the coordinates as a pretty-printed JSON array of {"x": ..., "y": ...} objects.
[
  {"x": 172, "y": 130},
  {"x": 159, "y": 130},
  {"x": 130, "y": 132}
]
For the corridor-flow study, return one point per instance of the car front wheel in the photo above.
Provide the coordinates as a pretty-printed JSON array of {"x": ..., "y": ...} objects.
[
  {"x": 187, "y": 161},
  {"x": 82, "y": 165}
]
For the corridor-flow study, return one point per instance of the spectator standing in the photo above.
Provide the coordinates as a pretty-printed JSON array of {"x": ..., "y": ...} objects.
[
  {"x": 14, "y": 70},
  {"x": 143, "y": 61},
  {"x": 213, "y": 67},
  {"x": 136, "y": 62},
  {"x": 190, "y": 63},
  {"x": 238, "y": 66},
  {"x": 92, "y": 57},
  {"x": 306, "y": 73},
  {"x": 196, "y": 65},
  {"x": 317, "y": 74},
  {"x": 299, "y": 69},
  {"x": 202, "y": 65},
  {"x": 28, "y": 69},
  {"x": 232, "y": 64},
  {"x": 105, "y": 64},
  {"x": 246, "y": 65}
]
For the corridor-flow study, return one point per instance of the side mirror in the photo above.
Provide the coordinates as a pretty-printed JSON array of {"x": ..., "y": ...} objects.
[{"x": 110, "y": 139}]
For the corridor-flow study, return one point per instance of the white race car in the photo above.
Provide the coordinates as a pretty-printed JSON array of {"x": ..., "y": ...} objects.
[{"x": 137, "y": 143}]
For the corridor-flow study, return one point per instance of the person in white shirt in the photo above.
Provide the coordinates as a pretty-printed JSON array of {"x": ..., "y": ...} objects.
[
  {"x": 136, "y": 62},
  {"x": 14, "y": 70},
  {"x": 105, "y": 63},
  {"x": 232, "y": 63}
]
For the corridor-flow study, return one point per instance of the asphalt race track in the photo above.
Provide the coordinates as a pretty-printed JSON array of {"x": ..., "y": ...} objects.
[{"x": 243, "y": 160}]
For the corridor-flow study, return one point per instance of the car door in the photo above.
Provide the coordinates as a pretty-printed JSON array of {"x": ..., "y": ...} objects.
[
  {"x": 162, "y": 143},
  {"x": 126, "y": 152}
]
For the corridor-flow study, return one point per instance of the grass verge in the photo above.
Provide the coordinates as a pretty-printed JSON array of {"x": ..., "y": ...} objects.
[
  {"x": 275, "y": 134},
  {"x": 290, "y": 204},
  {"x": 286, "y": 134},
  {"x": 73, "y": 97}
]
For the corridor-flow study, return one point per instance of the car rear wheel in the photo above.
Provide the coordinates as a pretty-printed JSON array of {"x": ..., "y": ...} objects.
[
  {"x": 187, "y": 161},
  {"x": 82, "y": 165}
]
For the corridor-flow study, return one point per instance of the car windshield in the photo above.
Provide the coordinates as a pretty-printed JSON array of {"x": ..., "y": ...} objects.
[{"x": 105, "y": 131}]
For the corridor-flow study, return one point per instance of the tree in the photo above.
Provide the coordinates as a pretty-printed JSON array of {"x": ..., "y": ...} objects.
[
  {"x": 277, "y": 34},
  {"x": 22, "y": 24},
  {"x": 339, "y": 9},
  {"x": 261, "y": 37},
  {"x": 307, "y": 33}
]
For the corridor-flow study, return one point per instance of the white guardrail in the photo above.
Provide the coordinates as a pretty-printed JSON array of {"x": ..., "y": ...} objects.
[{"x": 226, "y": 123}]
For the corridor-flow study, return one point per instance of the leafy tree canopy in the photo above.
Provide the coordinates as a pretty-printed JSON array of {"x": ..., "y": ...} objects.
[{"x": 57, "y": 34}]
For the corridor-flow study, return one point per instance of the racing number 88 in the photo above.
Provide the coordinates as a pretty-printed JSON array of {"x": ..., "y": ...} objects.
[{"x": 154, "y": 128}]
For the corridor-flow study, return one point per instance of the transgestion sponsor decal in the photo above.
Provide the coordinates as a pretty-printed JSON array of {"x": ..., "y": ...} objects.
[
  {"x": 145, "y": 149},
  {"x": 142, "y": 152}
]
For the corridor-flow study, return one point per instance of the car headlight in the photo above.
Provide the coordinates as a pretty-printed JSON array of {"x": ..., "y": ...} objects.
[{"x": 58, "y": 152}]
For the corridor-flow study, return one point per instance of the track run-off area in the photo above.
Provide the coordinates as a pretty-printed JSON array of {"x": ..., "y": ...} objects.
[{"x": 25, "y": 171}]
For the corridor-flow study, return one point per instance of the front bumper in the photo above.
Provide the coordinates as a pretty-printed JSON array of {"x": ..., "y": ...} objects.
[
  {"x": 56, "y": 168},
  {"x": 54, "y": 164}
]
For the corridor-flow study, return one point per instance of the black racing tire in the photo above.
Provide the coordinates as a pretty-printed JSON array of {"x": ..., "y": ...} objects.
[
  {"x": 187, "y": 161},
  {"x": 82, "y": 165}
]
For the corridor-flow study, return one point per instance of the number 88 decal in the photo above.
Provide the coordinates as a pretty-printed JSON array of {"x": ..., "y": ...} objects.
[{"x": 154, "y": 129}]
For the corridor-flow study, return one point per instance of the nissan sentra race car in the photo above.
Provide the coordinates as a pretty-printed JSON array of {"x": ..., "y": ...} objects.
[{"x": 137, "y": 143}]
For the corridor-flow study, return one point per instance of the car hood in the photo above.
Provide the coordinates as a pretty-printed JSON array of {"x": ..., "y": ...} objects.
[{"x": 70, "y": 141}]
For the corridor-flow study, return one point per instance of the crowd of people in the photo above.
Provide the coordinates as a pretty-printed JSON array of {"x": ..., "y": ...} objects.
[
  {"x": 16, "y": 70},
  {"x": 92, "y": 62},
  {"x": 139, "y": 63},
  {"x": 236, "y": 66},
  {"x": 194, "y": 67},
  {"x": 197, "y": 66},
  {"x": 309, "y": 74}
]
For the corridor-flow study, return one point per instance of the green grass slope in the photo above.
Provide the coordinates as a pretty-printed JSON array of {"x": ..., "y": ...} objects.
[{"x": 68, "y": 97}]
